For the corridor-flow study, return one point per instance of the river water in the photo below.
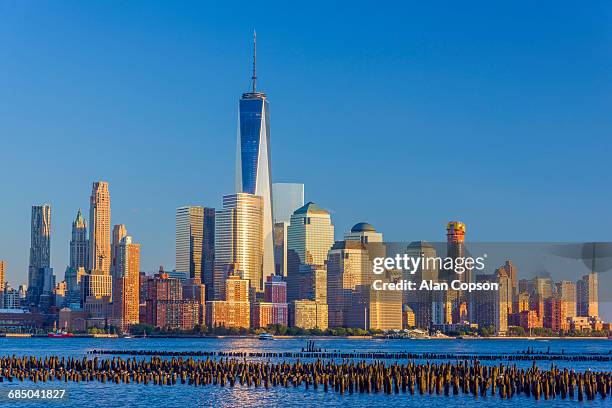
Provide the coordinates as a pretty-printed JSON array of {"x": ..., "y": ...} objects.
[{"x": 138, "y": 395}]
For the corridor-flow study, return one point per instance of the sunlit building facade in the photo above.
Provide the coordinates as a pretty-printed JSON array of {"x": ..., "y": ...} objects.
[
  {"x": 79, "y": 249},
  {"x": 195, "y": 244},
  {"x": 587, "y": 295},
  {"x": 308, "y": 314},
  {"x": 234, "y": 310},
  {"x": 100, "y": 228},
  {"x": 310, "y": 236},
  {"x": 2, "y": 274},
  {"x": 238, "y": 239},
  {"x": 126, "y": 284},
  {"x": 253, "y": 165}
]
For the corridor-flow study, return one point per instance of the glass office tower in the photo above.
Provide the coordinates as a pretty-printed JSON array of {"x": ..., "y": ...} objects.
[{"x": 253, "y": 168}]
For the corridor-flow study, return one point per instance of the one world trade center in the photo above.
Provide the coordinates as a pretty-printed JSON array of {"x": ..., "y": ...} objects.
[{"x": 253, "y": 168}]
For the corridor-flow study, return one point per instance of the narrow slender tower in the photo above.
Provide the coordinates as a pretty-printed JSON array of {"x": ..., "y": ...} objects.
[
  {"x": 99, "y": 228},
  {"x": 253, "y": 162}
]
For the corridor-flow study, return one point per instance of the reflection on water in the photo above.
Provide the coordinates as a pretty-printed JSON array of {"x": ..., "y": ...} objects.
[{"x": 138, "y": 395}]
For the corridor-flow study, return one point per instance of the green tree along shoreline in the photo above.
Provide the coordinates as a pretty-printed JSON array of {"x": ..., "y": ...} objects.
[{"x": 277, "y": 329}]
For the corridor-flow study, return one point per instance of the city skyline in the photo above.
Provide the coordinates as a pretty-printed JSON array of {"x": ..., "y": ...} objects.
[{"x": 128, "y": 210}]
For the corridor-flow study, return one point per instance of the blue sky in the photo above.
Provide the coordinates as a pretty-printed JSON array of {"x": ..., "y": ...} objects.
[{"x": 405, "y": 115}]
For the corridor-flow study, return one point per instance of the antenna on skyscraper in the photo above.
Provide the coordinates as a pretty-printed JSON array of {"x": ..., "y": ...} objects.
[{"x": 254, "y": 77}]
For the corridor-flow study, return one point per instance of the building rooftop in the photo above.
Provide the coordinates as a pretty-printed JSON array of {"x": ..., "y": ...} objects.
[
  {"x": 363, "y": 227},
  {"x": 310, "y": 208}
]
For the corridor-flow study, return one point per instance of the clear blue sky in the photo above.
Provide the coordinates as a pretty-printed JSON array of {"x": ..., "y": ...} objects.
[{"x": 404, "y": 115}]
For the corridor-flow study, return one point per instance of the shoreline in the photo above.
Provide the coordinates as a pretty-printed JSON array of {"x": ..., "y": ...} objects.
[{"x": 287, "y": 337}]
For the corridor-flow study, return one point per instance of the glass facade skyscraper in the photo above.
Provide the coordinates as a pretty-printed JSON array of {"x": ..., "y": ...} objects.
[
  {"x": 40, "y": 274},
  {"x": 286, "y": 198},
  {"x": 253, "y": 167},
  {"x": 238, "y": 240}
]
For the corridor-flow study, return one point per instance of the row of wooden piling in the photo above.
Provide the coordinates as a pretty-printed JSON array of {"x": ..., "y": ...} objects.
[
  {"x": 305, "y": 354},
  {"x": 463, "y": 377}
]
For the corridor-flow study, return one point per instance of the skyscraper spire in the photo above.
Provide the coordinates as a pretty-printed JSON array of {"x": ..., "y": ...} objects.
[{"x": 254, "y": 77}]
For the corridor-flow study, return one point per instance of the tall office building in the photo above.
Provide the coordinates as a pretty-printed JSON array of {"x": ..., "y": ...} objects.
[
  {"x": 195, "y": 235},
  {"x": 310, "y": 236},
  {"x": 73, "y": 278},
  {"x": 238, "y": 239},
  {"x": 2, "y": 274},
  {"x": 420, "y": 302},
  {"x": 567, "y": 294},
  {"x": 99, "y": 228},
  {"x": 208, "y": 251},
  {"x": 96, "y": 292},
  {"x": 79, "y": 251},
  {"x": 586, "y": 295},
  {"x": 491, "y": 307},
  {"x": 348, "y": 269},
  {"x": 352, "y": 300},
  {"x": 126, "y": 283},
  {"x": 506, "y": 271},
  {"x": 253, "y": 168},
  {"x": 119, "y": 232},
  {"x": 280, "y": 248},
  {"x": 286, "y": 198},
  {"x": 40, "y": 274},
  {"x": 457, "y": 303}
]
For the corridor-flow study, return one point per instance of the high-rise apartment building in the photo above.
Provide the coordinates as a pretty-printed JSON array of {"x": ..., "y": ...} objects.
[
  {"x": 238, "y": 239},
  {"x": 119, "y": 232},
  {"x": 506, "y": 271},
  {"x": 555, "y": 313},
  {"x": 253, "y": 168},
  {"x": 234, "y": 309},
  {"x": 286, "y": 198},
  {"x": 491, "y": 307},
  {"x": 275, "y": 290},
  {"x": 308, "y": 314},
  {"x": 2, "y": 274},
  {"x": 126, "y": 275},
  {"x": 79, "y": 249},
  {"x": 9, "y": 298},
  {"x": 273, "y": 309},
  {"x": 456, "y": 304},
  {"x": 100, "y": 228},
  {"x": 587, "y": 295},
  {"x": 40, "y": 275}
]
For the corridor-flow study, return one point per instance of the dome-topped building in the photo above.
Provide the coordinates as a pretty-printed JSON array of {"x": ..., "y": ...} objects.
[
  {"x": 364, "y": 233},
  {"x": 363, "y": 227}
]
